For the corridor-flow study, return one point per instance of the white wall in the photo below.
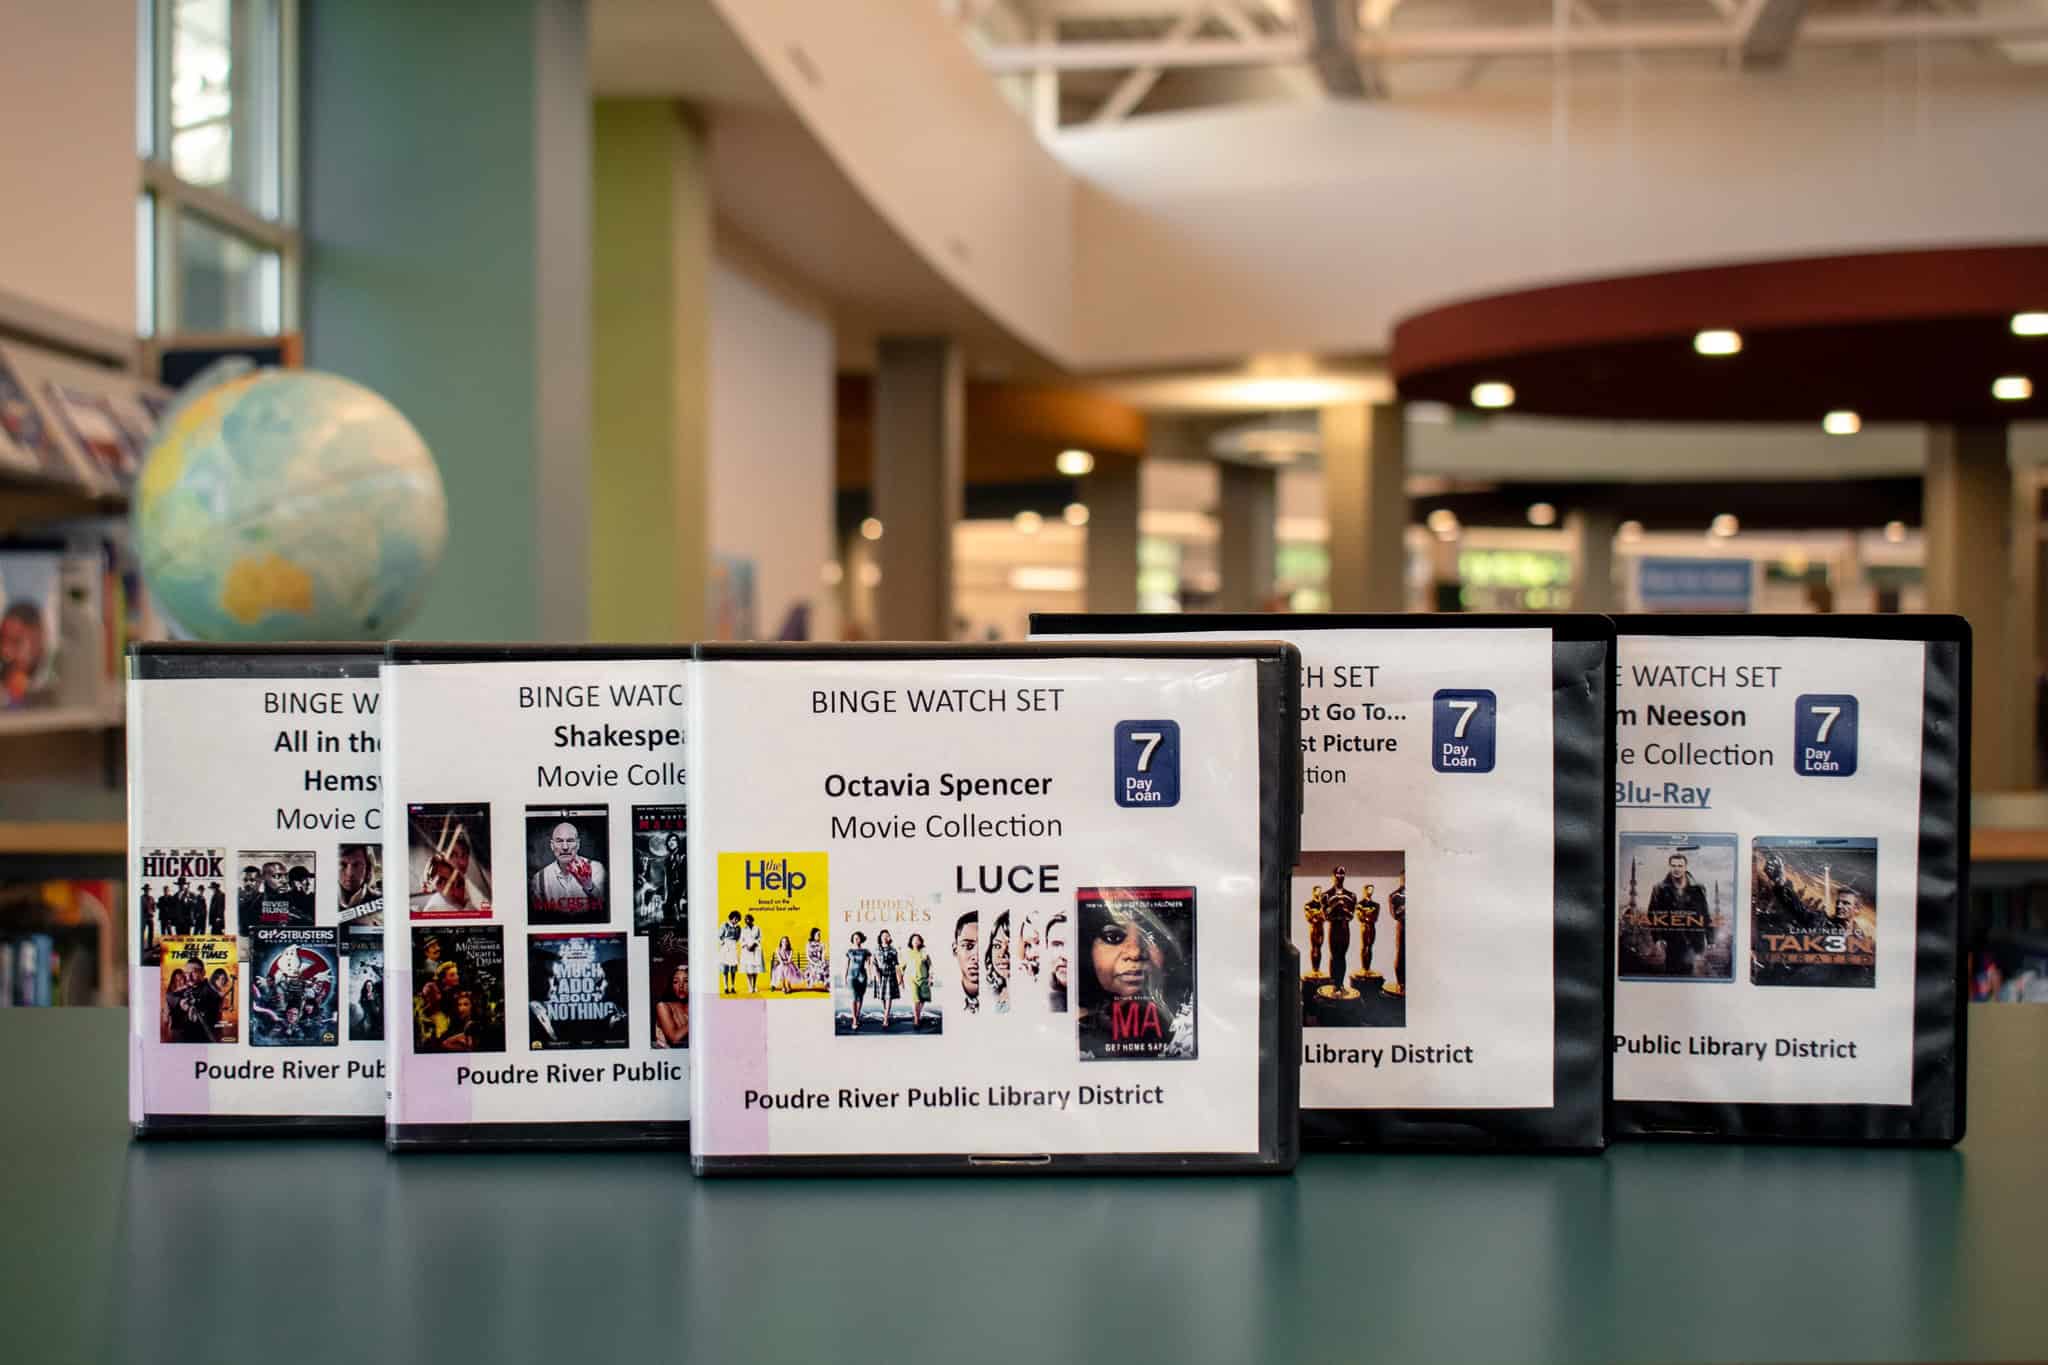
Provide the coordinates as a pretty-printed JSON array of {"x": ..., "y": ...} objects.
[
  {"x": 67, "y": 101},
  {"x": 1316, "y": 226},
  {"x": 772, "y": 444},
  {"x": 890, "y": 89}
]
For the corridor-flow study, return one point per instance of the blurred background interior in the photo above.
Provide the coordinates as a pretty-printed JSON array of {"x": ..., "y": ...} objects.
[{"x": 904, "y": 319}]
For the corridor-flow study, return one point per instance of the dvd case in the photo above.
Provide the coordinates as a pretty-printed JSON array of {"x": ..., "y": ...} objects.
[
  {"x": 252, "y": 816},
  {"x": 533, "y": 801},
  {"x": 1793, "y": 799},
  {"x": 984, "y": 907},
  {"x": 1449, "y": 900}
]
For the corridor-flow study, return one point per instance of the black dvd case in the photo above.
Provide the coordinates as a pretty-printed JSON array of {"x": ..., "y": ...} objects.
[
  {"x": 1279, "y": 1028},
  {"x": 299, "y": 663},
  {"x": 514, "y": 920},
  {"x": 1936, "y": 1115},
  {"x": 1582, "y": 716}
]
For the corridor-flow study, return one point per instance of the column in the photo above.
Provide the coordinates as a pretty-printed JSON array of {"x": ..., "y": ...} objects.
[
  {"x": 1110, "y": 493},
  {"x": 920, "y": 400},
  {"x": 1591, "y": 533},
  {"x": 446, "y": 220},
  {"x": 1365, "y": 472},
  {"x": 1972, "y": 570},
  {"x": 1249, "y": 500},
  {"x": 649, "y": 458}
]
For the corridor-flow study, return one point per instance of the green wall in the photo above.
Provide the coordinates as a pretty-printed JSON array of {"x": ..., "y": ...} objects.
[
  {"x": 650, "y": 303},
  {"x": 445, "y": 209}
]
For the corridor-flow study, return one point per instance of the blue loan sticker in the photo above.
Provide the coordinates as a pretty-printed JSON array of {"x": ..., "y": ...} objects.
[
  {"x": 1147, "y": 763},
  {"x": 1462, "y": 730},
  {"x": 1824, "y": 726}
]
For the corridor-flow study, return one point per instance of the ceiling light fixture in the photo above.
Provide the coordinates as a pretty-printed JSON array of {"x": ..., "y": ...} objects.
[
  {"x": 1443, "y": 521},
  {"x": 1841, "y": 422},
  {"x": 1493, "y": 394},
  {"x": 1027, "y": 523},
  {"x": 1724, "y": 526},
  {"x": 1542, "y": 514},
  {"x": 1076, "y": 514},
  {"x": 2012, "y": 388},
  {"x": 1717, "y": 342},
  {"x": 871, "y": 528},
  {"x": 1074, "y": 464},
  {"x": 1895, "y": 532},
  {"x": 1631, "y": 530},
  {"x": 2030, "y": 324}
]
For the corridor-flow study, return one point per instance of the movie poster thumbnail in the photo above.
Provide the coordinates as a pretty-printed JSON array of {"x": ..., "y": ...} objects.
[
  {"x": 668, "y": 986},
  {"x": 1350, "y": 921},
  {"x": 1813, "y": 912},
  {"x": 276, "y": 888},
  {"x": 362, "y": 951},
  {"x": 199, "y": 998},
  {"x": 767, "y": 900},
  {"x": 359, "y": 885},
  {"x": 1676, "y": 917},
  {"x": 294, "y": 987},
  {"x": 576, "y": 991},
  {"x": 178, "y": 887},
  {"x": 885, "y": 984},
  {"x": 24, "y": 425},
  {"x": 458, "y": 978},
  {"x": 661, "y": 868},
  {"x": 567, "y": 881},
  {"x": 1135, "y": 998},
  {"x": 448, "y": 852}
]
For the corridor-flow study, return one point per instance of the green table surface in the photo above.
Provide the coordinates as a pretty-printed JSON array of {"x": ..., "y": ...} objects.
[{"x": 215, "y": 1251}]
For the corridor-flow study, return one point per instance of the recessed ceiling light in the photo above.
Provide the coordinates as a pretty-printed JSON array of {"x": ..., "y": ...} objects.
[
  {"x": 1895, "y": 531},
  {"x": 1442, "y": 521},
  {"x": 1074, "y": 463},
  {"x": 1076, "y": 514},
  {"x": 1724, "y": 526},
  {"x": 1841, "y": 422},
  {"x": 871, "y": 528},
  {"x": 2030, "y": 324},
  {"x": 1493, "y": 394},
  {"x": 1717, "y": 342},
  {"x": 1027, "y": 523},
  {"x": 2012, "y": 388},
  {"x": 1631, "y": 530},
  {"x": 1542, "y": 514}
]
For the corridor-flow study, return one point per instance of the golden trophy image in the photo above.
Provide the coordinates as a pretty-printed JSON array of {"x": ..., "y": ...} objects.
[
  {"x": 1317, "y": 921},
  {"x": 1340, "y": 905},
  {"x": 1397, "y": 905},
  {"x": 1365, "y": 978},
  {"x": 1337, "y": 894}
]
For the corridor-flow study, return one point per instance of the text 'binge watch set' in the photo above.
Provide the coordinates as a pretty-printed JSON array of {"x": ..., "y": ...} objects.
[{"x": 1147, "y": 893}]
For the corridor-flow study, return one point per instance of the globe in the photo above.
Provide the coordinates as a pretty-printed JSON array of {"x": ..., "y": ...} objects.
[{"x": 288, "y": 505}]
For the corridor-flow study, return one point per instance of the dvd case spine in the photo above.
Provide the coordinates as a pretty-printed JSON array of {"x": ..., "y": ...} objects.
[
  {"x": 1001, "y": 908},
  {"x": 252, "y": 858}
]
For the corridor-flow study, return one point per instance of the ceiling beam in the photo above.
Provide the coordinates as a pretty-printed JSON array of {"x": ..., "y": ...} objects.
[
  {"x": 1334, "y": 52},
  {"x": 1517, "y": 40},
  {"x": 1768, "y": 28},
  {"x": 1132, "y": 89}
]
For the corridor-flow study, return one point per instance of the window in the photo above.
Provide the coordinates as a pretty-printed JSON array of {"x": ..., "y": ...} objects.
[{"x": 219, "y": 250}]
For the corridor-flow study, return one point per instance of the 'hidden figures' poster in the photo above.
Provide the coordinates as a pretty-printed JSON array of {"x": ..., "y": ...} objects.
[
  {"x": 1135, "y": 971},
  {"x": 577, "y": 988},
  {"x": 1813, "y": 912},
  {"x": 1677, "y": 913}
]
